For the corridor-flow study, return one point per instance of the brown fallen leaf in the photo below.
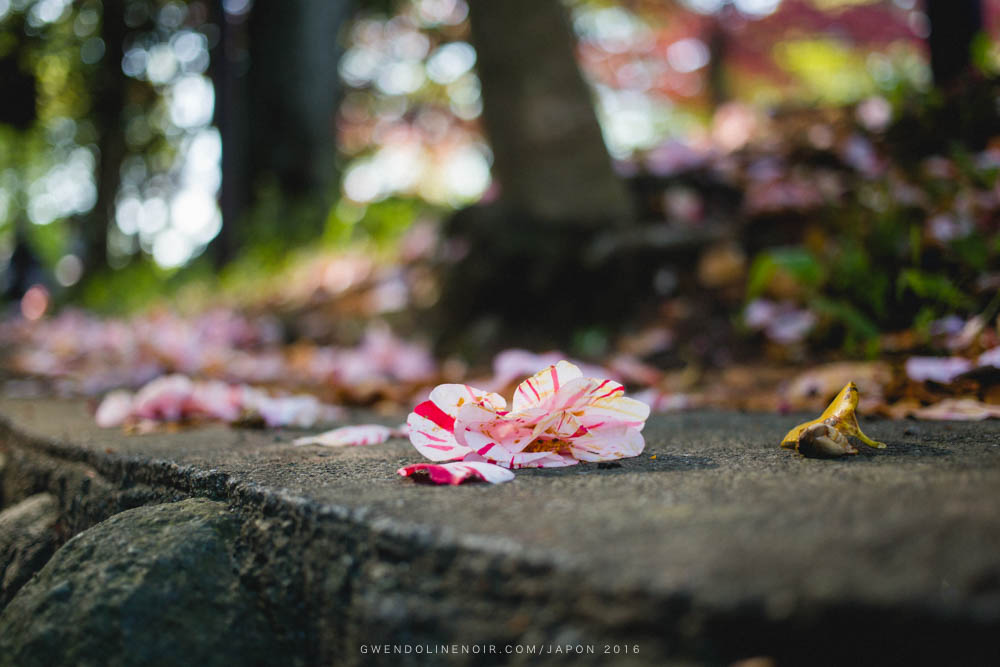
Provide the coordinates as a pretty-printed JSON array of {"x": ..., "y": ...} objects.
[
  {"x": 814, "y": 387},
  {"x": 841, "y": 416},
  {"x": 822, "y": 441}
]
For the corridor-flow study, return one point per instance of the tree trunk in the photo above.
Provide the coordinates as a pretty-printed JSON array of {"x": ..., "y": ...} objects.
[
  {"x": 549, "y": 154},
  {"x": 954, "y": 26},
  {"x": 277, "y": 91},
  {"x": 230, "y": 62},
  {"x": 109, "y": 100}
]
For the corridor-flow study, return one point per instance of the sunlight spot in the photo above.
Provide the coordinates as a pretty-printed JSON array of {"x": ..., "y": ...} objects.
[
  {"x": 68, "y": 270},
  {"x": 451, "y": 61},
  {"x": 400, "y": 78},
  {"x": 171, "y": 249},
  {"x": 162, "y": 65},
  {"x": 687, "y": 55},
  {"x": 191, "y": 101},
  {"x": 361, "y": 183},
  {"x": 757, "y": 7}
]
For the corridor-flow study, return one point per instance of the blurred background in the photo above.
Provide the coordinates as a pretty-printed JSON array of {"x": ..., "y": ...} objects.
[{"x": 689, "y": 184}]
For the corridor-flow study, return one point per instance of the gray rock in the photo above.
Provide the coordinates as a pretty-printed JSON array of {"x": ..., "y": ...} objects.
[
  {"x": 150, "y": 586},
  {"x": 28, "y": 538}
]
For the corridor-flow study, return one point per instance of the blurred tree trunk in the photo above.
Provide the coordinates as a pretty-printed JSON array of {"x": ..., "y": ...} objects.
[
  {"x": 954, "y": 26},
  {"x": 230, "y": 62},
  {"x": 109, "y": 101},
  {"x": 23, "y": 268},
  {"x": 275, "y": 72},
  {"x": 718, "y": 89},
  {"x": 549, "y": 154}
]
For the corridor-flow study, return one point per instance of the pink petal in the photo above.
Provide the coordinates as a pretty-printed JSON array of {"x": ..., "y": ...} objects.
[
  {"x": 433, "y": 441},
  {"x": 608, "y": 444},
  {"x": 525, "y": 460},
  {"x": 937, "y": 369},
  {"x": 537, "y": 389},
  {"x": 541, "y": 460},
  {"x": 615, "y": 409},
  {"x": 303, "y": 410},
  {"x": 114, "y": 409},
  {"x": 990, "y": 357},
  {"x": 456, "y": 473},
  {"x": 163, "y": 399},
  {"x": 504, "y": 429},
  {"x": 959, "y": 409},
  {"x": 450, "y": 397},
  {"x": 366, "y": 434},
  {"x": 216, "y": 400}
]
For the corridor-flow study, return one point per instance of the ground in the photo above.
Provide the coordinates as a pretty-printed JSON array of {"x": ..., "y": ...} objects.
[{"x": 713, "y": 545}]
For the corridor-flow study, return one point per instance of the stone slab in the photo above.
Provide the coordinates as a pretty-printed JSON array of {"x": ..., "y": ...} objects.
[{"x": 735, "y": 547}]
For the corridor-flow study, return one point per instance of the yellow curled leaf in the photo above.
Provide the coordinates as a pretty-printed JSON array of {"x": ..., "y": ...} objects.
[{"x": 840, "y": 415}]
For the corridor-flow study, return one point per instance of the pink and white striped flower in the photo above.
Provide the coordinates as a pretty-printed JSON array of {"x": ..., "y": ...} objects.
[{"x": 557, "y": 418}]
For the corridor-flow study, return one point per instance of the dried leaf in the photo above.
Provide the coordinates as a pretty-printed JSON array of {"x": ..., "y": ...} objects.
[{"x": 841, "y": 415}]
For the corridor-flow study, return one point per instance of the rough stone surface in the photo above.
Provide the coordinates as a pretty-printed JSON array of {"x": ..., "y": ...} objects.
[
  {"x": 149, "y": 586},
  {"x": 28, "y": 538},
  {"x": 712, "y": 546}
]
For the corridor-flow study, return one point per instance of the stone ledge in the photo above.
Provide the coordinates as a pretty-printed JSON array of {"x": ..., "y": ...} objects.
[{"x": 721, "y": 547}]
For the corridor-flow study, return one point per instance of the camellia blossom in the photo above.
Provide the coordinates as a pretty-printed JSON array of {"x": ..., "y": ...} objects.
[{"x": 557, "y": 418}]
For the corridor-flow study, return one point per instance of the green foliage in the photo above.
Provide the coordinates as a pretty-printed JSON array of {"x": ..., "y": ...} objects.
[
  {"x": 381, "y": 222},
  {"x": 933, "y": 287},
  {"x": 797, "y": 263},
  {"x": 140, "y": 285},
  {"x": 857, "y": 326},
  {"x": 872, "y": 263}
]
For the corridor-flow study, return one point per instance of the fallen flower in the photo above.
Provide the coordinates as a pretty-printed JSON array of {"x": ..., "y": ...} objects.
[
  {"x": 360, "y": 435},
  {"x": 176, "y": 398},
  {"x": 114, "y": 409},
  {"x": 557, "y": 418},
  {"x": 301, "y": 410},
  {"x": 841, "y": 416},
  {"x": 456, "y": 473}
]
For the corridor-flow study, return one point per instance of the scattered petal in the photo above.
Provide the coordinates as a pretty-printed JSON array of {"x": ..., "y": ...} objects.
[
  {"x": 364, "y": 434},
  {"x": 176, "y": 398},
  {"x": 301, "y": 411},
  {"x": 990, "y": 358},
  {"x": 958, "y": 409},
  {"x": 114, "y": 409},
  {"x": 942, "y": 370},
  {"x": 458, "y": 472}
]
